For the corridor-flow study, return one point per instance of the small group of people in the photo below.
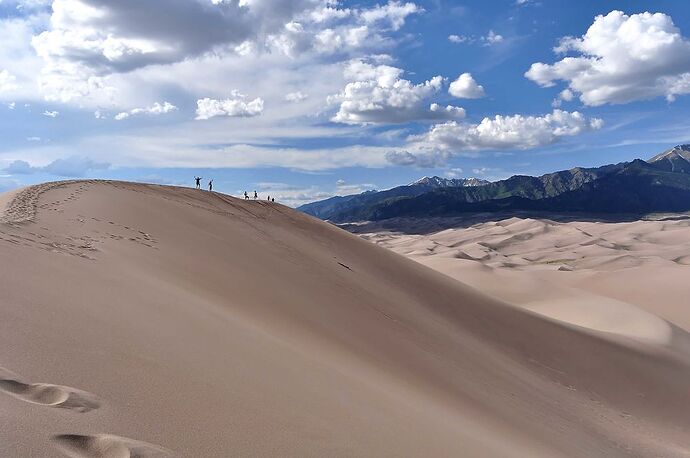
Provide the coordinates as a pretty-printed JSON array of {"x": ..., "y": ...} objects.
[
  {"x": 198, "y": 183},
  {"x": 210, "y": 188},
  {"x": 256, "y": 196}
]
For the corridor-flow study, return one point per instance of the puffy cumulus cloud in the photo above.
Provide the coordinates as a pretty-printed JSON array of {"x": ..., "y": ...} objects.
[
  {"x": 329, "y": 13},
  {"x": 566, "y": 95},
  {"x": 92, "y": 38},
  {"x": 492, "y": 38},
  {"x": 235, "y": 106},
  {"x": 449, "y": 111},
  {"x": 331, "y": 41},
  {"x": 7, "y": 81},
  {"x": 73, "y": 166},
  {"x": 51, "y": 114},
  {"x": 497, "y": 133},
  {"x": 378, "y": 94},
  {"x": 621, "y": 59},
  {"x": 459, "y": 38},
  {"x": 155, "y": 109},
  {"x": 466, "y": 87},
  {"x": 86, "y": 41},
  {"x": 330, "y": 30},
  {"x": 296, "y": 96},
  {"x": 392, "y": 14}
]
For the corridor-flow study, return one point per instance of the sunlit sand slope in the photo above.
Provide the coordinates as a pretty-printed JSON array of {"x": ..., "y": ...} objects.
[{"x": 141, "y": 320}]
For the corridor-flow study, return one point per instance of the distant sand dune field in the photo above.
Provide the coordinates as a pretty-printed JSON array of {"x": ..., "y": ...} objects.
[
  {"x": 625, "y": 278},
  {"x": 143, "y": 320}
]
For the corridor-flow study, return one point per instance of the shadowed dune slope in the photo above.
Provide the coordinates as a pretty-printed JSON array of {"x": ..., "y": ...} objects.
[{"x": 211, "y": 326}]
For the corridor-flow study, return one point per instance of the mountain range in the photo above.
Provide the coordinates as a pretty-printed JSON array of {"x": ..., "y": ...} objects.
[{"x": 660, "y": 184}]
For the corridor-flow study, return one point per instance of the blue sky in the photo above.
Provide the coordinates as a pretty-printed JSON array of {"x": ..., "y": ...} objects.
[{"x": 304, "y": 99}]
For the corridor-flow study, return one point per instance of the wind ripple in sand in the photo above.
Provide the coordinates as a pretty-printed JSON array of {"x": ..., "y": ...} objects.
[
  {"x": 50, "y": 395},
  {"x": 107, "y": 446}
]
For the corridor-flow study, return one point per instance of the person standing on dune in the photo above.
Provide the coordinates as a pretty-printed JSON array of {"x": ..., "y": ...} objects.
[
  {"x": 198, "y": 182},
  {"x": 210, "y": 185},
  {"x": 246, "y": 196},
  {"x": 256, "y": 196}
]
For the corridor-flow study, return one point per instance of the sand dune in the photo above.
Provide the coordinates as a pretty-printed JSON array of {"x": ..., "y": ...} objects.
[
  {"x": 618, "y": 277},
  {"x": 210, "y": 326}
]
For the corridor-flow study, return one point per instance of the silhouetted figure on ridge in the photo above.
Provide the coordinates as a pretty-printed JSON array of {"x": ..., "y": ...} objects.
[
  {"x": 256, "y": 196},
  {"x": 198, "y": 182},
  {"x": 210, "y": 185},
  {"x": 246, "y": 196}
]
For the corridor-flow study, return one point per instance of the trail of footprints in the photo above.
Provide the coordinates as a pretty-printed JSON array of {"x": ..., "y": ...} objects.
[
  {"x": 77, "y": 445},
  {"x": 23, "y": 209},
  {"x": 84, "y": 245}
]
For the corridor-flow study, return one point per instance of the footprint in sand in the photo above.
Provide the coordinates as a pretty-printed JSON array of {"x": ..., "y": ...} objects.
[
  {"x": 49, "y": 395},
  {"x": 107, "y": 446}
]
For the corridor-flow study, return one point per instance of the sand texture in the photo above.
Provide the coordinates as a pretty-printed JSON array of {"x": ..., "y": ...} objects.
[{"x": 151, "y": 321}]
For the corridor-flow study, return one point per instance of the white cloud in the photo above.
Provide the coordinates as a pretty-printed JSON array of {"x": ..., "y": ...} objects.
[
  {"x": 459, "y": 38},
  {"x": 90, "y": 39},
  {"x": 466, "y": 87},
  {"x": 234, "y": 106},
  {"x": 51, "y": 114},
  {"x": 295, "y": 195},
  {"x": 449, "y": 111},
  {"x": 328, "y": 14},
  {"x": 454, "y": 173},
  {"x": 155, "y": 109},
  {"x": 566, "y": 95},
  {"x": 622, "y": 59},
  {"x": 7, "y": 81},
  {"x": 492, "y": 38},
  {"x": 11, "y": 105},
  {"x": 379, "y": 94},
  {"x": 87, "y": 41},
  {"x": 346, "y": 39},
  {"x": 296, "y": 96},
  {"x": 392, "y": 14},
  {"x": 434, "y": 147}
]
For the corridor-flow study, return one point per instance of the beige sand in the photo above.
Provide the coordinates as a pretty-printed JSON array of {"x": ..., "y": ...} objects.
[
  {"x": 143, "y": 320},
  {"x": 628, "y": 278}
]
